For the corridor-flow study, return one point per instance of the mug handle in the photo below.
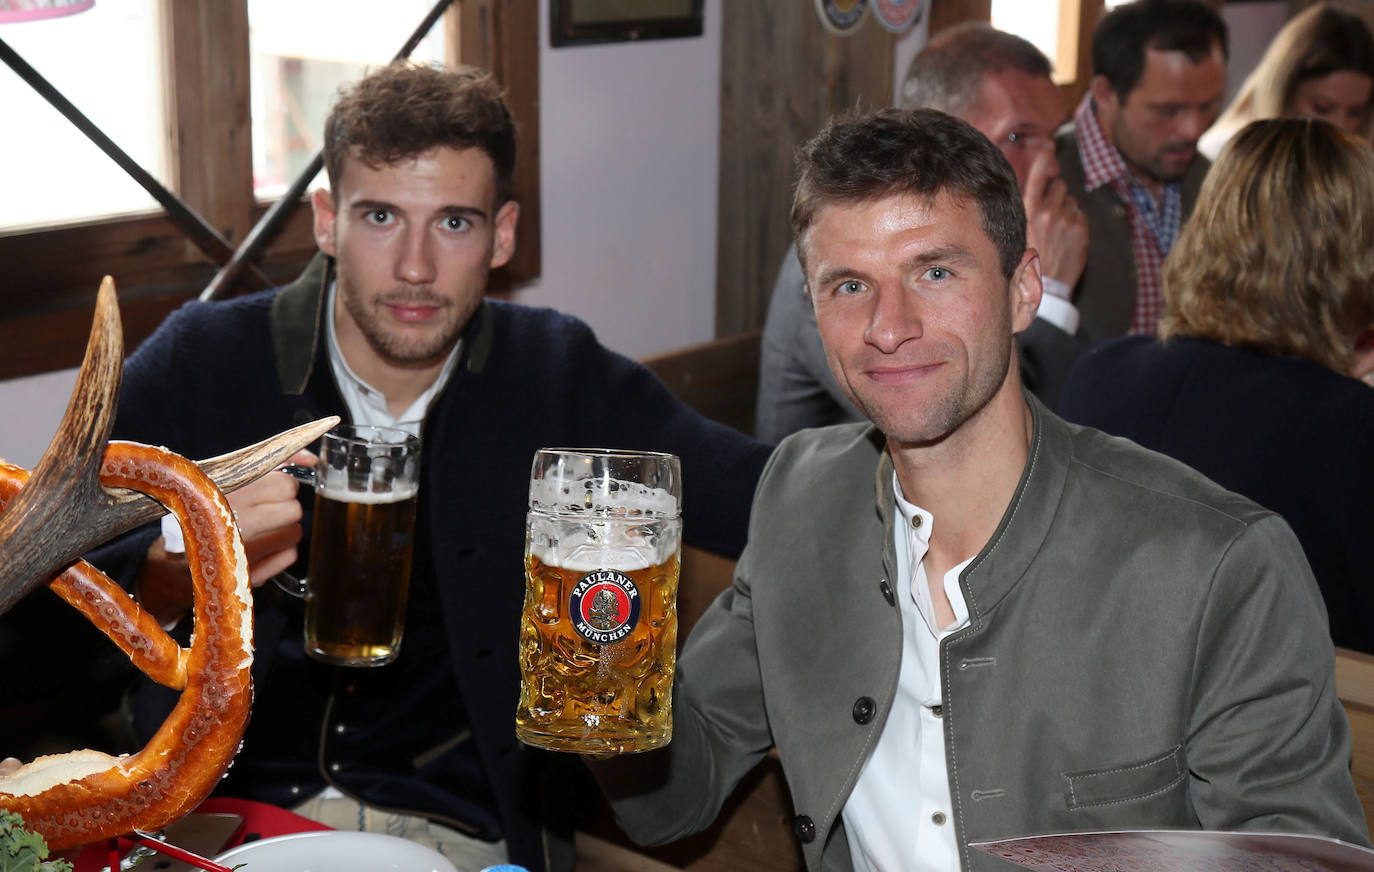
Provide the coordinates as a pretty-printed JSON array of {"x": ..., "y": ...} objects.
[{"x": 289, "y": 583}]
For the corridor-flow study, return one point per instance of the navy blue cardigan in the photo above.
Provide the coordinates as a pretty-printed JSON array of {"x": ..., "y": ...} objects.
[
  {"x": 1290, "y": 434},
  {"x": 528, "y": 378}
]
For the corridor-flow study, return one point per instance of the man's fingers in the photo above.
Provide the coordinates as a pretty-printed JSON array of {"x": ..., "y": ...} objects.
[
  {"x": 10, "y": 765},
  {"x": 1042, "y": 169},
  {"x": 261, "y": 571}
]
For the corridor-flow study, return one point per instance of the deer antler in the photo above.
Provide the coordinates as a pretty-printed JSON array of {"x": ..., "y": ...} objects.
[{"x": 64, "y": 511}]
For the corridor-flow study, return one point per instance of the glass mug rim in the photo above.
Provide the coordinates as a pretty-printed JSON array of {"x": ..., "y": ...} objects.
[
  {"x": 353, "y": 434},
  {"x": 610, "y": 452}
]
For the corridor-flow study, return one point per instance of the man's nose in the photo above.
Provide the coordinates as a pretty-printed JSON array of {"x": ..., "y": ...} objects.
[
  {"x": 415, "y": 264},
  {"x": 1195, "y": 123},
  {"x": 894, "y": 319}
]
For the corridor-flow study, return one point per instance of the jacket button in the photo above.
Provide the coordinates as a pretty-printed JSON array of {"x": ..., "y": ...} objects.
[
  {"x": 805, "y": 828},
  {"x": 887, "y": 592},
  {"x": 938, "y": 711},
  {"x": 863, "y": 709}
]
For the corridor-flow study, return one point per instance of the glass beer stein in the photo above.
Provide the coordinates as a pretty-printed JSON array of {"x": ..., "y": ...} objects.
[
  {"x": 598, "y": 637},
  {"x": 366, "y": 486}
]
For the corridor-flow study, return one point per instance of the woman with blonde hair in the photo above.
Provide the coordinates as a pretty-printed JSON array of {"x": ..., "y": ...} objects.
[
  {"x": 1268, "y": 329},
  {"x": 1320, "y": 65}
]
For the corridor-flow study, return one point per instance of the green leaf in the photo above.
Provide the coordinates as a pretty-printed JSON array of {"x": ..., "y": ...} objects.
[{"x": 23, "y": 850}]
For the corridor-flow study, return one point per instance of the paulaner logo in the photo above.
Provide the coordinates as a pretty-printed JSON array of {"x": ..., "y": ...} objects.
[{"x": 604, "y": 606}]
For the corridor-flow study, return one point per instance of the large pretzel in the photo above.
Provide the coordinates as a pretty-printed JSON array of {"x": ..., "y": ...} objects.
[
  {"x": 85, "y": 796},
  {"x": 83, "y": 491}
]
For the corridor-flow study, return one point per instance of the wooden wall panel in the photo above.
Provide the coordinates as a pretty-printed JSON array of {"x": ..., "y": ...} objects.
[{"x": 782, "y": 76}]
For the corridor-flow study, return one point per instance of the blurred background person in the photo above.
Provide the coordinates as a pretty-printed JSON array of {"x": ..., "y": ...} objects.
[
  {"x": 1320, "y": 65},
  {"x": 1255, "y": 377}
]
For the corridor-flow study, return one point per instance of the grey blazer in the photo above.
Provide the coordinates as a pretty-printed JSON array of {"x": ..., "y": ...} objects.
[
  {"x": 1145, "y": 650},
  {"x": 1105, "y": 295}
]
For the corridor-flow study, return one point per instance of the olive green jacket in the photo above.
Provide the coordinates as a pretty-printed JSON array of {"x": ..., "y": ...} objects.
[{"x": 1145, "y": 649}]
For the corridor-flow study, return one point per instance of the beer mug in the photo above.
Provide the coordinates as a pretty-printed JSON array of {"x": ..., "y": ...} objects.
[
  {"x": 366, "y": 485},
  {"x": 598, "y": 637}
]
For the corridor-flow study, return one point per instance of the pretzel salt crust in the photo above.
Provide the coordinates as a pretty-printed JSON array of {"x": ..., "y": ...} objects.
[{"x": 85, "y": 796}]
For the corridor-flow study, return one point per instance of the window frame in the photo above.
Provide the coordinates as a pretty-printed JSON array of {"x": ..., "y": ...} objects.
[{"x": 47, "y": 299}]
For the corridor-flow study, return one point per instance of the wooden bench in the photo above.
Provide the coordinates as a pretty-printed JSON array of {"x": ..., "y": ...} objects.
[
  {"x": 720, "y": 378},
  {"x": 1355, "y": 688}
]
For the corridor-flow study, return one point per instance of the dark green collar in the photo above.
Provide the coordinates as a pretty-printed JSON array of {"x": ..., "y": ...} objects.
[{"x": 298, "y": 314}]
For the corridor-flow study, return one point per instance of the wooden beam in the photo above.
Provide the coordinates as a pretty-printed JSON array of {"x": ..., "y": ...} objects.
[
  {"x": 208, "y": 118},
  {"x": 503, "y": 36},
  {"x": 947, "y": 13},
  {"x": 782, "y": 77}
]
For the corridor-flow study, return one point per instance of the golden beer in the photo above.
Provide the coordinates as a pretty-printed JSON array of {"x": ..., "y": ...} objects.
[
  {"x": 366, "y": 485},
  {"x": 598, "y": 634},
  {"x": 355, "y": 600},
  {"x": 594, "y": 682}
]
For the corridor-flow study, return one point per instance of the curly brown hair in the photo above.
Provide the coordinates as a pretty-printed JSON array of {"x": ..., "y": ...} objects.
[
  {"x": 405, "y": 109},
  {"x": 1275, "y": 255}
]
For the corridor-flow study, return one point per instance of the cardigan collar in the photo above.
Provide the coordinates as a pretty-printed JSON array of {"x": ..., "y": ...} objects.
[
  {"x": 1025, "y": 524},
  {"x": 298, "y": 315}
]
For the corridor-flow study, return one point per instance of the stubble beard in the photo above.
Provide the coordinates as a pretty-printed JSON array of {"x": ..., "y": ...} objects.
[
  {"x": 945, "y": 413},
  {"x": 392, "y": 347}
]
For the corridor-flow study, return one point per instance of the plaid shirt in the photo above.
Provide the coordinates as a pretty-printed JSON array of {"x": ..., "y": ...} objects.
[{"x": 1154, "y": 225}]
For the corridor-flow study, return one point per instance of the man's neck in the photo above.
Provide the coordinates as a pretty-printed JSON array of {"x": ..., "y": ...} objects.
[
  {"x": 967, "y": 480},
  {"x": 401, "y": 386}
]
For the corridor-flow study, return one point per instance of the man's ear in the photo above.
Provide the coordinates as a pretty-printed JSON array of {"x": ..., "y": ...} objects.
[
  {"x": 322, "y": 204},
  {"x": 1108, "y": 104},
  {"x": 1362, "y": 363},
  {"x": 503, "y": 241},
  {"x": 1026, "y": 288}
]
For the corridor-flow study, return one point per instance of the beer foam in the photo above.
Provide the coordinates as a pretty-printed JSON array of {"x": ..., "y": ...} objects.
[
  {"x": 594, "y": 496},
  {"x": 612, "y": 544},
  {"x": 345, "y": 495}
]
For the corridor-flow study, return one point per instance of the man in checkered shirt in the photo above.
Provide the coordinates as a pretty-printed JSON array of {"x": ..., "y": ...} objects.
[{"x": 1130, "y": 155}]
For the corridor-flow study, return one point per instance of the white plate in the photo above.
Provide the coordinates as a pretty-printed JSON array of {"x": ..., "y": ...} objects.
[{"x": 335, "y": 851}]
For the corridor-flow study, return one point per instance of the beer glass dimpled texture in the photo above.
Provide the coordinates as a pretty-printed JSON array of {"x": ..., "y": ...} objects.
[
  {"x": 366, "y": 487},
  {"x": 598, "y": 637}
]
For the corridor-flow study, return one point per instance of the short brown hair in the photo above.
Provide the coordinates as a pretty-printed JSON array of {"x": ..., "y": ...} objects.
[
  {"x": 1275, "y": 255},
  {"x": 864, "y": 157},
  {"x": 406, "y": 109}
]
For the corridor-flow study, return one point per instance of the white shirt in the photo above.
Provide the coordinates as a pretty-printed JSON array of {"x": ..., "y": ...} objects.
[{"x": 899, "y": 816}]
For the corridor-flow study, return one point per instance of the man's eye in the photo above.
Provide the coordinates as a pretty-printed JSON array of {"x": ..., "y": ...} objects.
[
  {"x": 937, "y": 274},
  {"x": 378, "y": 217},
  {"x": 456, "y": 222},
  {"x": 849, "y": 287}
]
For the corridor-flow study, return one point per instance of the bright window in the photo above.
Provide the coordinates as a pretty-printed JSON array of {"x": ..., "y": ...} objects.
[
  {"x": 106, "y": 62},
  {"x": 300, "y": 55},
  {"x": 1049, "y": 25}
]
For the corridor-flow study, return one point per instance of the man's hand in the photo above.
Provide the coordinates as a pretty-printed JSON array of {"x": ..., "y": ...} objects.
[
  {"x": 269, "y": 519},
  {"x": 9, "y": 766},
  {"x": 1054, "y": 226}
]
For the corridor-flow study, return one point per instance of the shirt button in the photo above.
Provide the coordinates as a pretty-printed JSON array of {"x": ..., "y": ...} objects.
[
  {"x": 916, "y": 522},
  {"x": 295, "y": 790},
  {"x": 805, "y": 828},
  {"x": 335, "y": 767},
  {"x": 887, "y": 592},
  {"x": 864, "y": 708},
  {"x": 938, "y": 711},
  {"x": 340, "y": 729},
  {"x": 938, "y": 819}
]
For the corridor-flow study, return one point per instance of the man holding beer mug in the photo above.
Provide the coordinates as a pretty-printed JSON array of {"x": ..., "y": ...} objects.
[
  {"x": 969, "y": 620},
  {"x": 388, "y": 327}
]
